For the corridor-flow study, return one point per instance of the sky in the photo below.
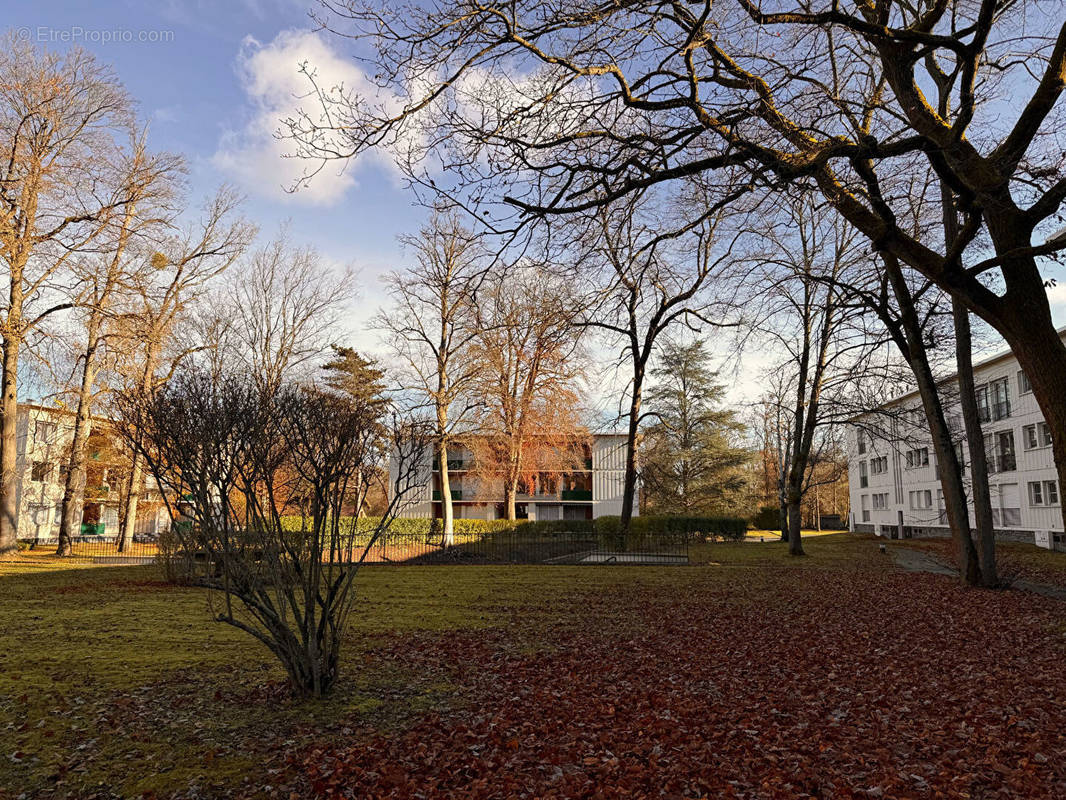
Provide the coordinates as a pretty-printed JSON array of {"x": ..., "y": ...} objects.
[{"x": 212, "y": 79}]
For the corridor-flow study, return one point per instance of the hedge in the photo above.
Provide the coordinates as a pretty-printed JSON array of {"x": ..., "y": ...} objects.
[
  {"x": 768, "y": 518},
  {"x": 689, "y": 528}
]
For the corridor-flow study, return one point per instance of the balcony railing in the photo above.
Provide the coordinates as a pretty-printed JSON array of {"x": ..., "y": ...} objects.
[
  {"x": 457, "y": 494},
  {"x": 453, "y": 463},
  {"x": 577, "y": 494},
  {"x": 1007, "y": 517}
]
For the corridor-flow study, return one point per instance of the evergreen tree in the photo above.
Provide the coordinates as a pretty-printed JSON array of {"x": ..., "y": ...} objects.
[
  {"x": 355, "y": 376},
  {"x": 691, "y": 461},
  {"x": 362, "y": 381}
]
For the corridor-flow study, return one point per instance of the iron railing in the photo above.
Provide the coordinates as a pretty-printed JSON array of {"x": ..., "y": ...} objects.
[
  {"x": 142, "y": 549},
  {"x": 578, "y": 546}
]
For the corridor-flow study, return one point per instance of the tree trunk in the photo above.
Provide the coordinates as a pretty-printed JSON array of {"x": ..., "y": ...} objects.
[
  {"x": 128, "y": 523},
  {"x": 795, "y": 541},
  {"x": 447, "y": 510},
  {"x": 74, "y": 486},
  {"x": 9, "y": 447},
  {"x": 982, "y": 502},
  {"x": 509, "y": 492},
  {"x": 911, "y": 343},
  {"x": 629, "y": 488}
]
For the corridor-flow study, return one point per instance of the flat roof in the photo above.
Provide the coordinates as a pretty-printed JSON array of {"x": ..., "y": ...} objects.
[{"x": 996, "y": 358}]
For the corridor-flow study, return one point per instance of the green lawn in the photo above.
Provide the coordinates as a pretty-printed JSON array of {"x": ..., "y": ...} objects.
[{"x": 111, "y": 678}]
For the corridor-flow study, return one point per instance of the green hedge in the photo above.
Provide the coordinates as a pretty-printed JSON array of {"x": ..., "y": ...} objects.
[
  {"x": 691, "y": 528},
  {"x": 768, "y": 518}
]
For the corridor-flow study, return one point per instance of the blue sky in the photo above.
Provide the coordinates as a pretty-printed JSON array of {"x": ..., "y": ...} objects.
[{"x": 212, "y": 86}]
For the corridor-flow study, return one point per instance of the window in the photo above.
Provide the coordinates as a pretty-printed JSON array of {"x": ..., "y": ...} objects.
[
  {"x": 44, "y": 432},
  {"x": 1024, "y": 387},
  {"x": 1000, "y": 391},
  {"x": 984, "y": 410},
  {"x": 864, "y": 481},
  {"x": 999, "y": 452},
  {"x": 41, "y": 471},
  {"x": 1043, "y": 493},
  {"x": 1037, "y": 435},
  {"x": 1005, "y": 460},
  {"x": 1029, "y": 437},
  {"x": 860, "y": 439},
  {"x": 879, "y": 466},
  {"x": 921, "y": 499},
  {"x": 918, "y": 457},
  {"x": 881, "y": 501},
  {"x": 865, "y": 508},
  {"x": 1009, "y": 511}
]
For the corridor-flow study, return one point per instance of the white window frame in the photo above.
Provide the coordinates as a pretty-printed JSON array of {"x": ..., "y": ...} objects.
[{"x": 1024, "y": 387}]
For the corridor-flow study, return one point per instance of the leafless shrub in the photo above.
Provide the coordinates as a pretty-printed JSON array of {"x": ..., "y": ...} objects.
[{"x": 258, "y": 485}]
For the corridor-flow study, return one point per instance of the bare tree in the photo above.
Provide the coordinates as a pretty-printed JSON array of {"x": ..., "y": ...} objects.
[
  {"x": 525, "y": 393},
  {"x": 242, "y": 461},
  {"x": 430, "y": 330},
  {"x": 811, "y": 321},
  {"x": 103, "y": 279},
  {"x": 61, "y": 118},
  {"x": 285, "y": 310},
  {"x": 650, "y": 279},
  {"x": 557, "y": 111},
  {"x": 184, "y": 267}
]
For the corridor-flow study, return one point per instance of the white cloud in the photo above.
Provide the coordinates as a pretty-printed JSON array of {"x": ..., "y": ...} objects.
[{"x": 271, "y": 79}]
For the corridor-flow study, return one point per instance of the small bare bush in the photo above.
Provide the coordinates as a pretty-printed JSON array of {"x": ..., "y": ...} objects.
[{"x": 237, "y": 460}]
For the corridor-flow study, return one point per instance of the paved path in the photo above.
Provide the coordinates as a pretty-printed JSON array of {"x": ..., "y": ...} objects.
[{"x": 920, "y": 561}]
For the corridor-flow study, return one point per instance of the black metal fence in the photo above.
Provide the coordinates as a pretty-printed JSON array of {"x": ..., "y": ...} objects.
[
  {"x": 499, "y": 547},
  {"x": 143, "y": 549},
  {"x": 530, "y": 547}
]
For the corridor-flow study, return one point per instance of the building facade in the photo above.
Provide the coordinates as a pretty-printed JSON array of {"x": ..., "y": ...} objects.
[
  {"x": 592, "y": 491},
  {"x": 43, "y": 440},
  {"x": 894, "y": 479}
]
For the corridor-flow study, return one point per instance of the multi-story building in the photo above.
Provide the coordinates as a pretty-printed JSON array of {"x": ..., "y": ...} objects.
[
  {"x": 43, "y": 439},
  {"x": 593, "y": 490},
  {"x": 893, "y": 474}
]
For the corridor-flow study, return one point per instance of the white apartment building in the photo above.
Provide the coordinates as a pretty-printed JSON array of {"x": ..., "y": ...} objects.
[
  {"x": 43, "y": 440},
  {"x": 594, "y": 491},
  {"x": 892, "y": 469}
]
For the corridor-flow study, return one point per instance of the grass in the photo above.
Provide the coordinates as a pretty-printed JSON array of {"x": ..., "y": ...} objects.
[
  {"x": 83, "y": 638},
  {"x": 109, "y": 676}
]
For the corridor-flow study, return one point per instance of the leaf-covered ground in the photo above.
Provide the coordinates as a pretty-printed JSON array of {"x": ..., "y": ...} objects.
[{"x": 752, "y": 675}]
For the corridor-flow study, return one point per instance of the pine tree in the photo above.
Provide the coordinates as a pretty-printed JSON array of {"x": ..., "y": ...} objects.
[{"x": 691, "y": 462}]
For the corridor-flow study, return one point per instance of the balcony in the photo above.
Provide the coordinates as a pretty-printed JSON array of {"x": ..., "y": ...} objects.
[
  {"x": 457, "y": 494},
  {"x": 1007, "y": 517},
  {"x": 577, "y": 494}
]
